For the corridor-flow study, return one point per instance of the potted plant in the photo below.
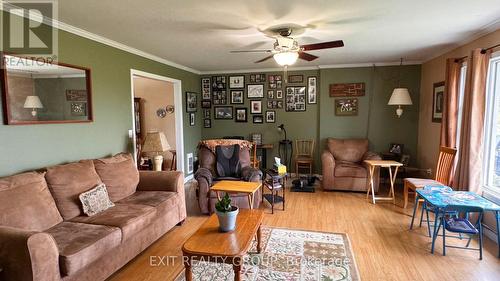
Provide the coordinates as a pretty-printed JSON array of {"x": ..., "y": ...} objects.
[{"x": 226, "y": 214}]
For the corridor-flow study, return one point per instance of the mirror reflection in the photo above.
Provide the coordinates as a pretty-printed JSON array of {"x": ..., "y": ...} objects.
[{"x": 45, "y": 93}]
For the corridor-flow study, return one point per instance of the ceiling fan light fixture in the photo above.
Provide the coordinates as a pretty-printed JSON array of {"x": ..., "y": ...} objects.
[{"x": 286, "y": 58}]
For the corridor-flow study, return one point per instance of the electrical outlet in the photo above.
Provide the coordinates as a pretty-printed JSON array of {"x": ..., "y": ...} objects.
[{"x": 429, "y": 171}]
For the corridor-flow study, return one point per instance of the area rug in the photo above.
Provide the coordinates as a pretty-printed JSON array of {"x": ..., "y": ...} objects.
[{"x": 288, "y": 254}]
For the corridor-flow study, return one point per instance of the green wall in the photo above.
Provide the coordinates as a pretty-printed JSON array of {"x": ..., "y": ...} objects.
[
  {"x": 29, "y": 147},
  {"x": 376, "y": 120}
]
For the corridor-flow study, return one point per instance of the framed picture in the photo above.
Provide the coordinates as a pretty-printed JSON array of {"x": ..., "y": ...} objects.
[
  {"x": 296, "y": 78},
  {"x": 257, "y": 78},
  {"x": 76, "y": 95},
  {"x": 223, "y": 112},
  {"x": 236, "y": 82},
  {"x": 206, "y": 113},
  {"x": 274, "y": 81},
  {"x": 295, "y": 99},
  {"x": 206, "y": 104},
  {"x": 241, "y": 114},
  {"x": 270, "y": 94},
  {"x": 271, "y": 116},
  {"x": 346, "y": 107},
  {"x": 219, "y": 83},
  {"x": 258, "y": 119},
  {"x": 279, "y": 94},
  {"x": 219, "y": 97},
  {"x": 255, "y": 91},
  {"x": 256, "y": 106},
  {"x": 190, "y": 163},
  {"x": 437, "y": 102},
  {"x": 191, "y": 102},
  {"x": 237, "y": 96},
  {"x": 347, "y": 89},
  {"x": 205, "y": 89},
  {"x": 396, "y": 148},
  {"x": 191, "y": 119},
  {"x": 311, "y": 90},
  {"x": 207, "y": 123},
  {"x": 78, "y": 108},
  {"x": 256, "y": 138}
]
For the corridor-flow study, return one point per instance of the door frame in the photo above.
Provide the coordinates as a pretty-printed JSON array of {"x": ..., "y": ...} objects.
[{"x": 179, "y": 125}]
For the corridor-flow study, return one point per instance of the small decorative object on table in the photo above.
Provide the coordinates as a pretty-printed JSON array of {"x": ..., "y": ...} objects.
[{"x": 226, "y": 214}]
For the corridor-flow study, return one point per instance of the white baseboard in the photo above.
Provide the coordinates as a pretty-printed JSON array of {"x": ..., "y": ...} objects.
[{"x": 490, "y": 234}]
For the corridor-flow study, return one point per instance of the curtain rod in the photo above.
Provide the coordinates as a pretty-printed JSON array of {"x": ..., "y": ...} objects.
[
  {"x": 460, "y": 59},
  {"x": 487, "y": 49}
]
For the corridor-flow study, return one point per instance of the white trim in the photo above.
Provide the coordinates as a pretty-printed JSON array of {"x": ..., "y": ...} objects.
[
  {"x": 299, "y": 68},
  {"x": 490, "y": 234},
  {"x": 188, "y": 178},
  {"x": 485, "y": 30},
  {"x": 179, "y": 124},
  {"x": 101, "y": 39}
]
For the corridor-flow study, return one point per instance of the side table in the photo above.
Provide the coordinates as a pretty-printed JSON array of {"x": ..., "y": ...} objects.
[
  {"x": 372, "y": 164},
  {"x": 276, "y": 184}
]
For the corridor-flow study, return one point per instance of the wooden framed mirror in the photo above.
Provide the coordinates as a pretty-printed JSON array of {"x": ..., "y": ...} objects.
[{"x": 36, "y": 92}]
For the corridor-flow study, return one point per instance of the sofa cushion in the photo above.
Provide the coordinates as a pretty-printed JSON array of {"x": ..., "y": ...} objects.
[
  {"x": 67, "y": 181},
  {"x": 26, "y": 203},
  {"x": 345, "y": 169},
  {"x": 119, "y": 174},
  {"x": 350, "y": 150},
  {"x": 162, "y": 201},
  {"x": 81, "y": 244},
  {"x": 95, "y": 200},
  {"x": 130, "y": 218}
]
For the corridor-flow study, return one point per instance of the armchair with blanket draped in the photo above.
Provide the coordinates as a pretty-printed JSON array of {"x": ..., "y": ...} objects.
[{"x": 225, "y": 159}]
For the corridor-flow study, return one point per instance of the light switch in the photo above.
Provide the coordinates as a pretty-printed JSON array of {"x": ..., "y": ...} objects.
[{"x": 130, "y": 133}]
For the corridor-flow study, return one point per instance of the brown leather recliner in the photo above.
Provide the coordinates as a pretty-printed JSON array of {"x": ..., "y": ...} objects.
[
  {"x": 343, "y": 167},
  {"x": 207, "y": 175}
]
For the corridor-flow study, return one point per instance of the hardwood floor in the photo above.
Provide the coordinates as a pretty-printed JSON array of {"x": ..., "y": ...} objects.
[{"x": 384, "y": 247}]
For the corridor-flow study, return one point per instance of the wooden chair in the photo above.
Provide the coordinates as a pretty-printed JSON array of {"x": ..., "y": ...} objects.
[
  {"x": 304, "y": 150},
  {"x": 253, "y": 156},
  {"x": 443, "y": 173}
]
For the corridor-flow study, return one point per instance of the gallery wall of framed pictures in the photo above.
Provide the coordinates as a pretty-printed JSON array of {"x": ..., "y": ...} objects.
[{"x": 255, "y": 97}]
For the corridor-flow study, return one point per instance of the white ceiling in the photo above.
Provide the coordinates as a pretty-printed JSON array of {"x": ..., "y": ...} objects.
[{"x": 199, "y": 34}]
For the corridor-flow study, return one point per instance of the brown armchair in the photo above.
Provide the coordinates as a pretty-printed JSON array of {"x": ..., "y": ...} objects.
[
  {"x": 207, "y": 174},
  {"x": 343, "y": 167}
]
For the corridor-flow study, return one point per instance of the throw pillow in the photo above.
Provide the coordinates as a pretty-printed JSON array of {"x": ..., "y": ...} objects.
[
  {"x": 119, "y": 174},
  {"x": 95, "y": 200}
]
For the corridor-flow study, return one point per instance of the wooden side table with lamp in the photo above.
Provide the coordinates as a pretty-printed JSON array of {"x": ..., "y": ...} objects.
[{"x": 156, "y": 142}]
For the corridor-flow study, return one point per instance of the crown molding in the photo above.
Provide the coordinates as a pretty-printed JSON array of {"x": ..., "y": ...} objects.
[
  {"x": 485, "y": 30},
  {"x": 101, "y": 39},
  {"x": 302, "y": 68}
]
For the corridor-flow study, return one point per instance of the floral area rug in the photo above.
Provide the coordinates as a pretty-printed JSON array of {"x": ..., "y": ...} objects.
[{"x": 288, "y": 254}]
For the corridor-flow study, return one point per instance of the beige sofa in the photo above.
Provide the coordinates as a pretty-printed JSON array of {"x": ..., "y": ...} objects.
[
  {"x": 44, "y": 234},
  {"x": 343, "y": 167}
]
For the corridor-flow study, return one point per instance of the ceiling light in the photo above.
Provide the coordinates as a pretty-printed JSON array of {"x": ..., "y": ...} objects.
[{"x": 286, "y": 58}]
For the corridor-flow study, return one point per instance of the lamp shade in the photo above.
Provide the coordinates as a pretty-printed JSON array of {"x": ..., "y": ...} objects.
[
  {"x": 286, "y": 58},
  {"x": 155, "y": 142},
  {"x": 33, "y": 102},
  {"x": 400, "y": 96}
]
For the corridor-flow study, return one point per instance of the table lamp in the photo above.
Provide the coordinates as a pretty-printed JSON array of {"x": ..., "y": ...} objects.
[
  {"x": 156, "y": 142},
  {"x": 33, "y": 102}
]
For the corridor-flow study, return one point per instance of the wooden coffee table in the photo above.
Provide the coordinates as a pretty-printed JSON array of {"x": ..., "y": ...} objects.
[
  {"x": 237, "y": 187},
  {"x": 208, "y": 244}
]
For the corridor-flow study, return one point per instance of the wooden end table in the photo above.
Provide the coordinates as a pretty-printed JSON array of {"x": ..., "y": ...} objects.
[
  {"x": 208, "y": 244},
  {"x": 389, "y": 164},
  {"x": 237, "y": 187}
]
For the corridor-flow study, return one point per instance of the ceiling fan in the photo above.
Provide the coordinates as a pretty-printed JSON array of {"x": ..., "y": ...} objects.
[{"x": 287, "y": 50}]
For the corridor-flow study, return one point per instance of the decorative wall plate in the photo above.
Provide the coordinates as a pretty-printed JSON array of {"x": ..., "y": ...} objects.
[
  {"x": 170, "y": 109},
  {"x": 161, "y": 113}
]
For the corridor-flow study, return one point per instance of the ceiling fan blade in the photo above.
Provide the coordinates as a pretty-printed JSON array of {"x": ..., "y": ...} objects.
[
  {"x": 251, "y": 51},
  {"x": 264, "y": 59},
  {"x": 307, "y": 57},
  {"x": 323, "y": 45}
]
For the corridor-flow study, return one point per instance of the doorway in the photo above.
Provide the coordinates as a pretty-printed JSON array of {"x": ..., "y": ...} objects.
[{"x": 160, "y": 100}]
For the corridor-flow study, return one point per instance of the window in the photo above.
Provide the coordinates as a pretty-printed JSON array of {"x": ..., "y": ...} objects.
[{"x": 491, "y": 175}]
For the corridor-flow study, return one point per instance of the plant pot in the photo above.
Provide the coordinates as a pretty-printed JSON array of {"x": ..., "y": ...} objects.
[{"x": 227, "y": 220}]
